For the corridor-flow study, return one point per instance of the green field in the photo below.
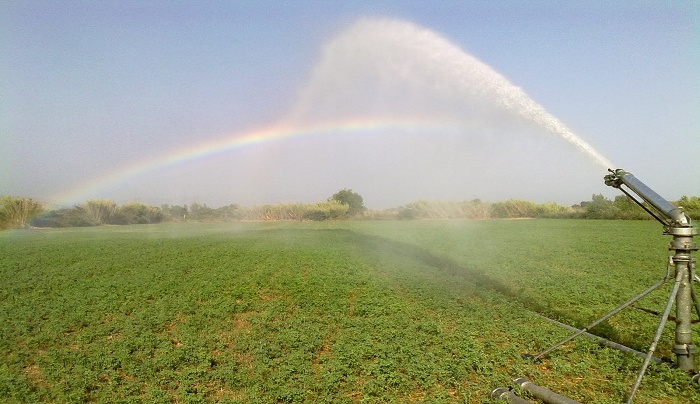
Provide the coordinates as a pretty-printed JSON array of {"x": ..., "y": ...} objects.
[{"x": 366, "y": 311}]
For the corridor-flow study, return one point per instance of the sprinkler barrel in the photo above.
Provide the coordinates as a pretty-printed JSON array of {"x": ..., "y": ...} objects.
[{"x": 664, "y": 211}]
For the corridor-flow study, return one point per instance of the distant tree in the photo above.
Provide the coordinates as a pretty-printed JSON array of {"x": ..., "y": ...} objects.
[
  {"x": 691, "y": 206},
  {"x": 137, "y": 213},
  {"x": 174, "y": 212},
  {"x": 200, "y": 211},
  {"x": 626, "y": 208},
  {"x": 325, "y": 210},
  {"x": 18, "y": 212},
  {"x": 413, "y": 210},
  {"x": 230, "y": 212},
  {"x": 99, "y": 210},
  {"x": 352, "y": 199},
  {"x": 600, "y": 207}
]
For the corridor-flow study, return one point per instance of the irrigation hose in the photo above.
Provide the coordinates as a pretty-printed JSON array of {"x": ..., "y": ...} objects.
[
  {"x": 502, "y": 393},
  {"x": 542, "y": 393}
]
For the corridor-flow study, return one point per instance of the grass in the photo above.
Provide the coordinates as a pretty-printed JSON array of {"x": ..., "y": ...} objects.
[{"x": 396, "y": 311}]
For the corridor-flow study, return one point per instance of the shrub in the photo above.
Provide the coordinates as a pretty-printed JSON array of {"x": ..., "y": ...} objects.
[
  {"x": 17, "y": 212},
  {"x": 202, "y": 212},
  {"x": 99, "y": 210},
  {"x": 475, "y": 209},
  {"x": 513, "y": 209},
  {"x": 326, "y": 210},
  {"x": 599, "y": 207},
  {"x": 691, "y": 206},
  {"x": 67, "y": 217},
  {"x": 352, "y": 199},
  {"x": 137, "y": 213},
  {"x": 175, "y": 212}
]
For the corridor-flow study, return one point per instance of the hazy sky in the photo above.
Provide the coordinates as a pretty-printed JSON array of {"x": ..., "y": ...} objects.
[{"x": 130, "y": 99}]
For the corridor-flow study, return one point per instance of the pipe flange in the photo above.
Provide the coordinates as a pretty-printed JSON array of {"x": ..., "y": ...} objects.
[{"x": 682, "y": 231}]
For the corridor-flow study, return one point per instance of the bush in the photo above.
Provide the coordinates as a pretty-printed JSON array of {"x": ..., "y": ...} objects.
[
  {"x": 513, "y": 209},
  {"x": 175, "y": 212},
  {"x": 691, "y": 206},
  {"x": 599, "y": 207},
  {"x": 230, "y": 212},
  {"x": 627, "y": 209},
  {"x": 99, "y": 210},
  {"x": 202, "y": 212},
  {"x": 67, "y": 217},
  {"x": 18, "y": 212},
  {"x": 297, "y": 211},
  {"x": 352, "y": 199},
  {"x": 326, "y": 210},
  {"x": 478, "y": 210},
  {"x": 432, "y": 210},
  {"x": 136, "y": 213},
  {"x": 475, "y": 209}
]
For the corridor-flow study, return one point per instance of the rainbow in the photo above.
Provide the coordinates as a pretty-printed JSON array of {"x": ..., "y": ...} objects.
[{"x": 238, "y": 141}]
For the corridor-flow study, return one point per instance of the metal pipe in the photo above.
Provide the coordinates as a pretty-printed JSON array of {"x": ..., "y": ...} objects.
[
  {"x": 502, "y": 393},
  {"x": 683, "y": 347},
  {"x": 602, "y": 341},
  {"x": 598, "y": 321},
  {"x": 542, "y": 393}
]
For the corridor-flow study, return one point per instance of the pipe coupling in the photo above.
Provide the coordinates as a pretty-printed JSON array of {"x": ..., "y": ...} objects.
[
  {"x": 682, "y": 244},
  {"x": 684, "y": 349}
]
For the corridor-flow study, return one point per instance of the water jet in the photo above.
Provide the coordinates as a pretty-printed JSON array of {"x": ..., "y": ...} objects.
[{"x": 385, "y": 67}]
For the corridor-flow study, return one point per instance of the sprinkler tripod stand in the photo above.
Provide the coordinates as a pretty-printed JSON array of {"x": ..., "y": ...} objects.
[{"x": 677, "y": 224}]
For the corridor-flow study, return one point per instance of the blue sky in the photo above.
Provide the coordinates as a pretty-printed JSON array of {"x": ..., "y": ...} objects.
[{"x": 89, "y": 88}]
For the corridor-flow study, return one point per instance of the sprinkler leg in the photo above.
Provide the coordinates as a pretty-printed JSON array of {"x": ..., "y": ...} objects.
[
  {"x": 657, "y": 336},
  {"x": 695, "y": 299}
]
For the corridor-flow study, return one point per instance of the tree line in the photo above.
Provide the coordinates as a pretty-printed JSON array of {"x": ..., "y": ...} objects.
[
  {"x": 16, "y": 212},
  {"x": 599, "y": 207}
]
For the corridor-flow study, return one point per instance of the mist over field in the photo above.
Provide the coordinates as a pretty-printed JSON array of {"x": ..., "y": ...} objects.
[{"x": 341, "y": 311}]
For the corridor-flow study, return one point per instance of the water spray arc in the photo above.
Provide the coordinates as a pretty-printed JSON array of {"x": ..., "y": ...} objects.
[
  {"x": 680, "y": 268},
  {"x": 376, "y": 76},
  {"x": 389, "y": 66}
]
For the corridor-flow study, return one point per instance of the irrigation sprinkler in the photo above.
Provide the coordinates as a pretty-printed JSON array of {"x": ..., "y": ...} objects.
[{"x": 679, "y": 225}]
